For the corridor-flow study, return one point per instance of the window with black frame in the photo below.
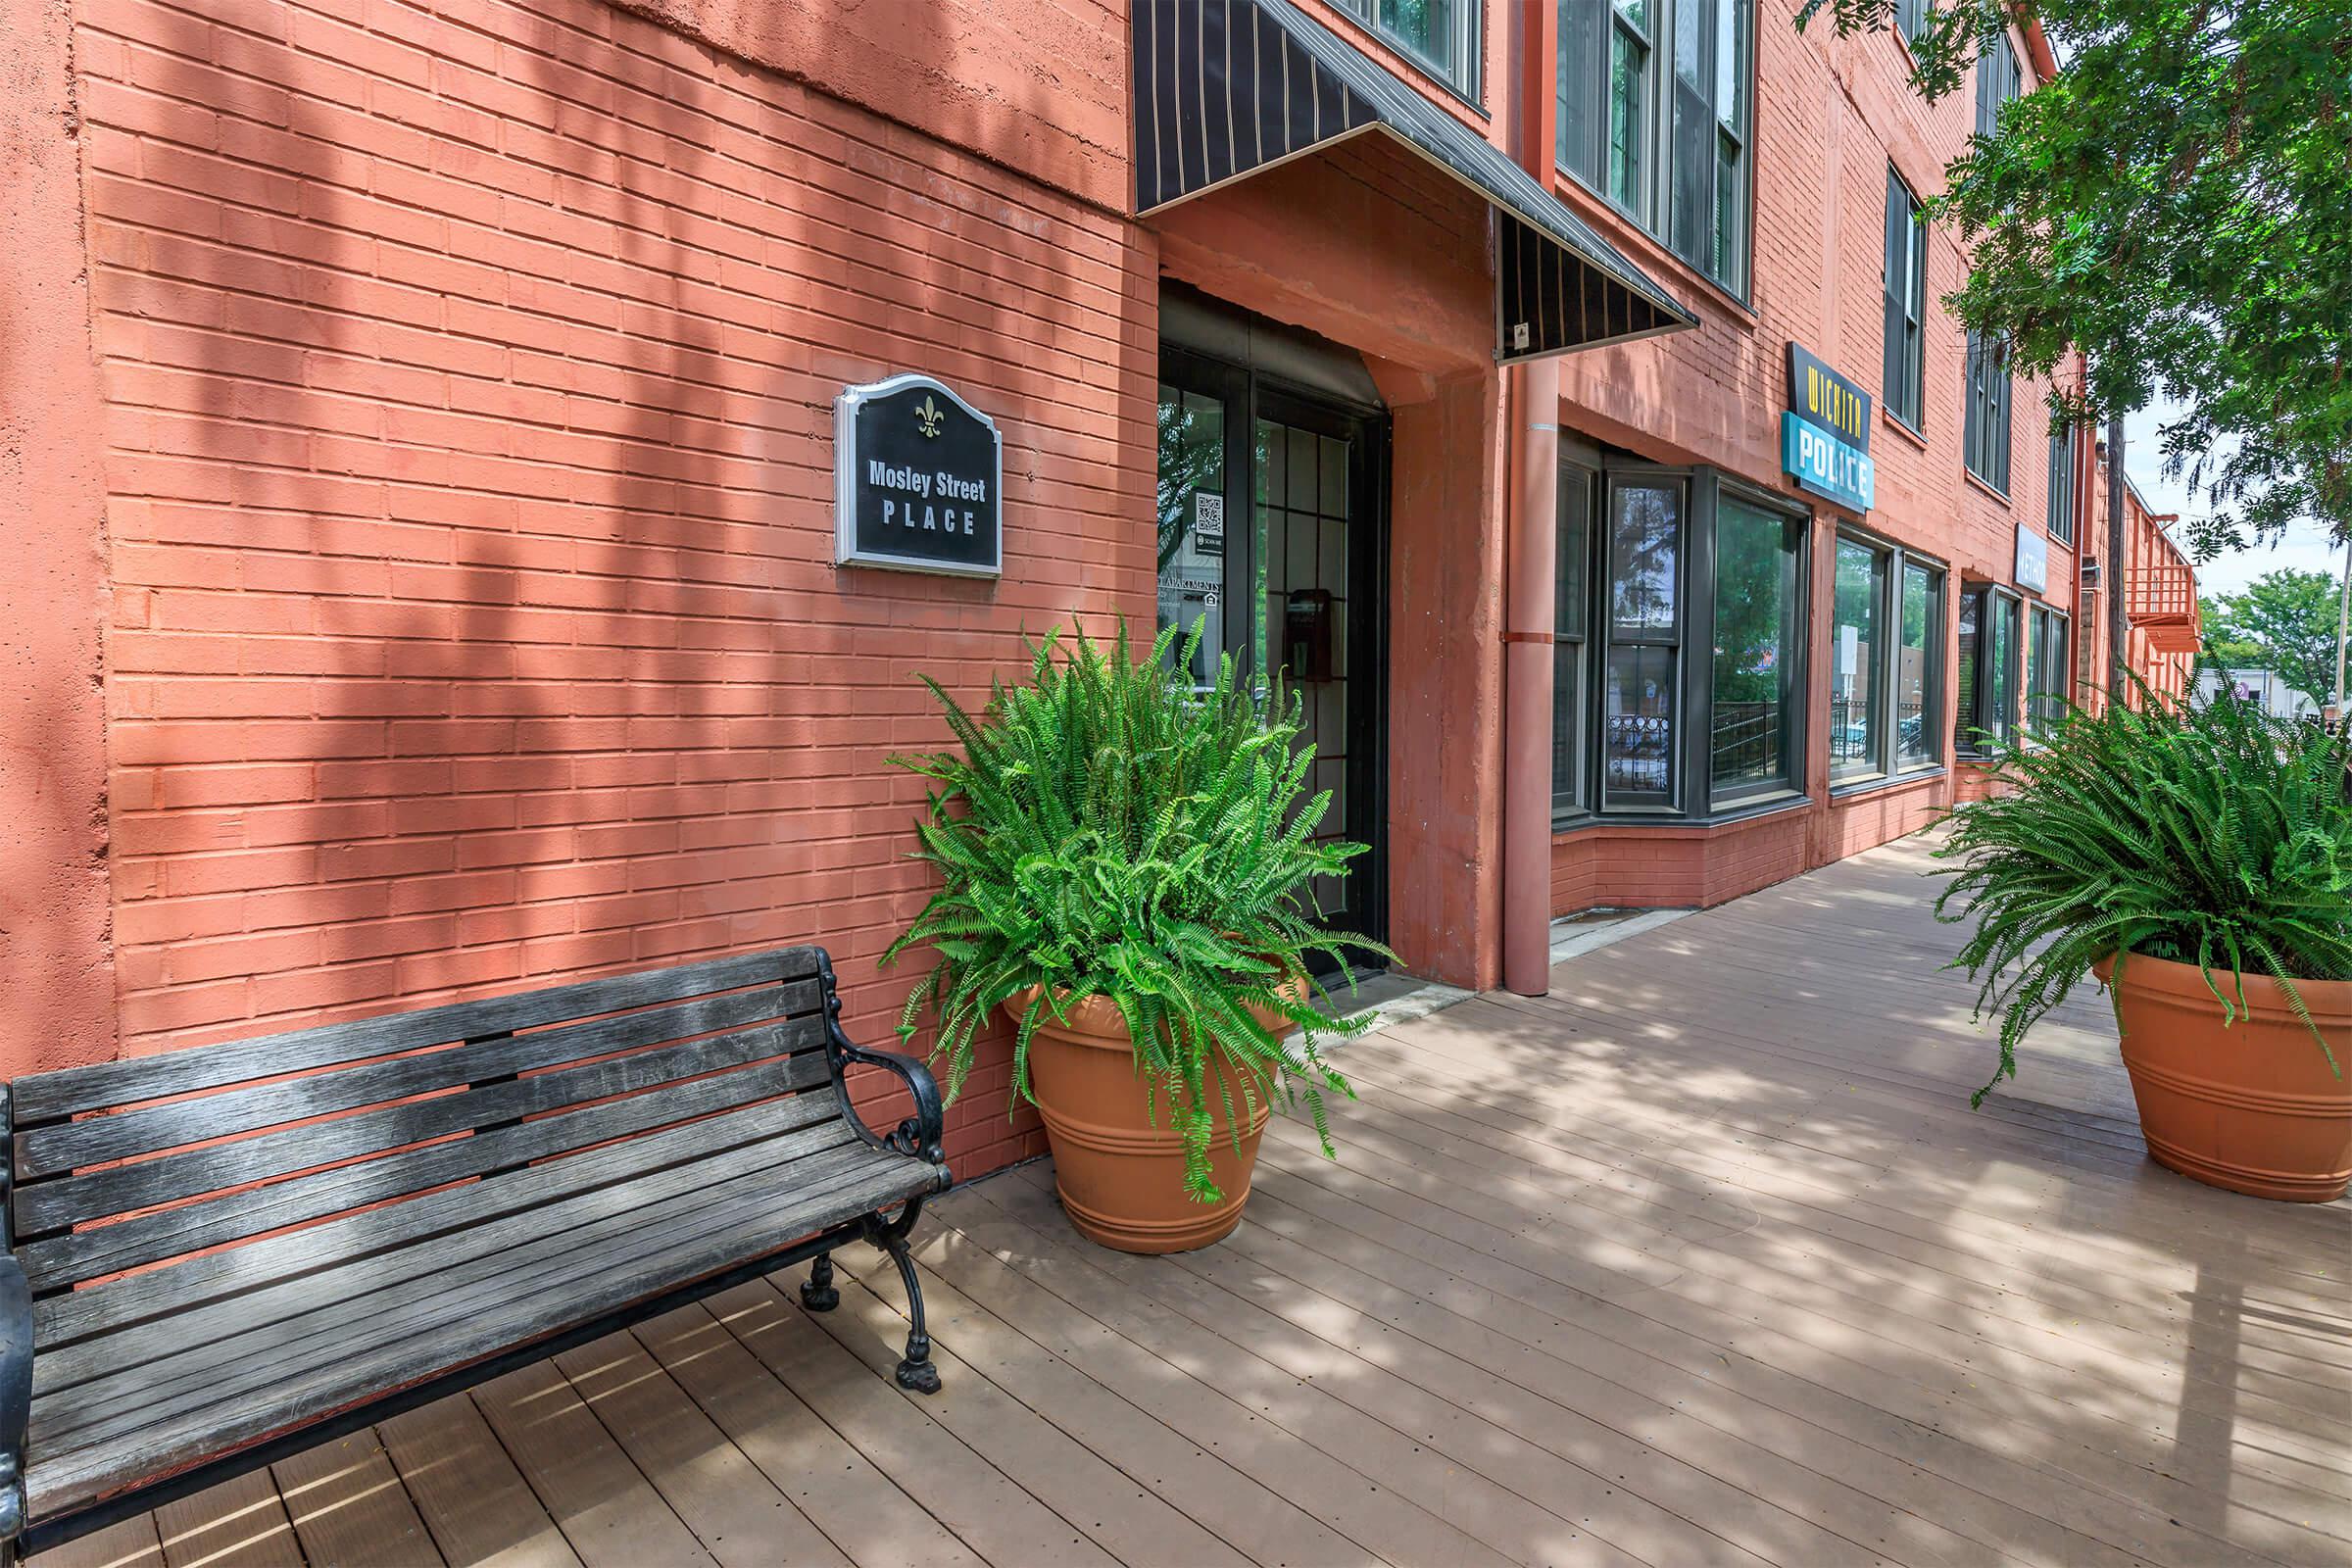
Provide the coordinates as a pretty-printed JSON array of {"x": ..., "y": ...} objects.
[
  {"x": 1918, "y": 667},
  {"x": 1640, "y": 75},
  {"x": 1571, "y": 616},
  {"x": 1886, "y": 662},
  {"x": 1755, "y": 712},
  {"x": 1857, "y": 661},
  {"x": 1905, "y": 273},
  {"x": 1441, "y": 36},
  {"x": 2066, "y": 450},
  {"x": 1641, "y": 663},
  {"x": 2048, "y": 679},
  {"x": 1989, "y": 649},
  {"x": 1984, "y": 431}
]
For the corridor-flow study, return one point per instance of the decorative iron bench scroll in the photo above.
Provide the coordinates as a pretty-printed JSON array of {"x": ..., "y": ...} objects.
[{"x": 352, "y": 1220}]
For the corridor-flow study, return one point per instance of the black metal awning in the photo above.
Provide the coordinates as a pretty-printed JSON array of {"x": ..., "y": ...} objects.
[{"x": 1224, "y": 88}]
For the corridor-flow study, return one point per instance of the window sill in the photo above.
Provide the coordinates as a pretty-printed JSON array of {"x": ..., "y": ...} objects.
[
  {"x": 1656, "y": 251},
  {"x": 1738, "y": 812},
  {"x": 1877, "y": 783},
  {"x": 1903, "y": 427},
  {"x": 1969, "y": 474}
]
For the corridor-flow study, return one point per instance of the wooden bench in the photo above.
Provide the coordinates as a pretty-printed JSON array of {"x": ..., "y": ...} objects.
[{"x": 355, "y": 1219}]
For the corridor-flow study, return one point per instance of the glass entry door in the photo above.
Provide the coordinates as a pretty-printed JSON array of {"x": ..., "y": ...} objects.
[{"x": 1271, "y": 529}]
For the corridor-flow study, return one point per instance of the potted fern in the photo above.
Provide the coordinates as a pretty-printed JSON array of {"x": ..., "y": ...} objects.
[
  {"x": 1125, "y": 865},
  {"x": 2199, "y": 861}
]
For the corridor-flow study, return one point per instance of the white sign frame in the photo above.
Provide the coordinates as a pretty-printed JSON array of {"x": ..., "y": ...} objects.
[{"x": 844, "y": 479}]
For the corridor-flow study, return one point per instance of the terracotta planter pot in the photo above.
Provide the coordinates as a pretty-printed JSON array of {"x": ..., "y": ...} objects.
[
  {"x": 1120, "y": 1176},
  {"x": 2252, "y": 1107}
]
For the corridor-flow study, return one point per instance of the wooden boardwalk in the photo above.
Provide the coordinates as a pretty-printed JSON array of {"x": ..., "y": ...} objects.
[{"x": 1702, "y": 1258}]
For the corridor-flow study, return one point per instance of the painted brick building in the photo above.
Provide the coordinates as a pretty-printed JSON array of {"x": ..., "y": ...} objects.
[{"x": 419, "y": 424}]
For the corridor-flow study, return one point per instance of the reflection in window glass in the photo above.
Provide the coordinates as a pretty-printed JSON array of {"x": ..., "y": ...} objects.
[
  {"x": 1637, "y": 754},
  {"x": 1192, "y": 521},
  {"x": 1971, "y": 655},
  {"x": 1645, "y": 538},
  {"x": 1752, "y": 743},
  {"x": 1858, "y": 639},
  {"x": 1917, "y": 679},
  {"x": 1998, "y": 718},
  {"x": 1646, "y": 533}
]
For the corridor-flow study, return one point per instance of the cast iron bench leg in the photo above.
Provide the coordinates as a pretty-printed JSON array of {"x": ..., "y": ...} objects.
[
  {"x": 817, "y": 1293},
  {"x": 915, "y": 1372}
]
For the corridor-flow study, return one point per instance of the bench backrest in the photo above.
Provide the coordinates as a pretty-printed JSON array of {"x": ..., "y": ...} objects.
[{"x": 461, "y": 1110}]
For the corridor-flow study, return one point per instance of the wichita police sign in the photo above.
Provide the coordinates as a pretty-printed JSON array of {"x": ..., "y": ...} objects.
[
  {"x": 1824, "y": 432},
  {"x": 917, "y": 475}
]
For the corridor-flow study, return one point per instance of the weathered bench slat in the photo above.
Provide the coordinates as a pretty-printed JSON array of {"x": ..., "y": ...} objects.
[
  {"x": 214, "y": 1293},
  {"x": 300, "y": 1324},
  {"x": 470, "y": 1329},
  {"x": 70, "y": 1091},
  {"x": 211, "y": 1221},
  {"x": 47, "y": 1151},
  {"x": 55, "y": 1203}
]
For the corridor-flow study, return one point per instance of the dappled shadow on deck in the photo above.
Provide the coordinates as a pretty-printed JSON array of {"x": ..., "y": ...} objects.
[{"x": 1702, "y": 1257}]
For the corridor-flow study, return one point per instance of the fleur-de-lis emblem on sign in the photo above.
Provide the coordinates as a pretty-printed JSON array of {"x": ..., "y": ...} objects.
[{"x": 928, "y": 418}]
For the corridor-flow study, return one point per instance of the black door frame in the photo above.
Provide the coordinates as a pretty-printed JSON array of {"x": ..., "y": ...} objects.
[{"x": 1248, "y": 396}]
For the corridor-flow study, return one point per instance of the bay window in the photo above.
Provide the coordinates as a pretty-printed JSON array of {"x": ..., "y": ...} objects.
[
  {"x": 1640, "y": 75},
  {"x": 1678, "y": 643}
]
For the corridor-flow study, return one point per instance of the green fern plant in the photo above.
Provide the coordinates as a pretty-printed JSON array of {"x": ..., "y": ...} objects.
[
  {"x": 1109, "y": 831},
  {"x": 2208, "y": 834}
]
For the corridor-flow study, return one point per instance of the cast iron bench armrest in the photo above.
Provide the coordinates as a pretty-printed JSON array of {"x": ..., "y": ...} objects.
[
  {"x": 16, "y": 1391},
  {"x": 919, "y": 1135}
]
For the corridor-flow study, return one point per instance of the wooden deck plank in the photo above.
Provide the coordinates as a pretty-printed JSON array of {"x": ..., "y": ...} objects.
[
  {"x": 991, "y": 1512},
  {"x": 1123, "y": 1517},
  {"x": 480, "y": 1511},
  {"x": 1510, "y": 1192},
  {"x": 130, "y": 1543},
  {"x": 1363, "y": 1480},
  {"x": 2048, "y": 1487},
  {"x": 860, "y": 1509},
  {"x": 349, "y": 1507},
  {"x": 607, "y": 1510},
  {"x": 2046, "y": 1288},
  {"x": 737, "y": 1513},
  {"x": 1536, "y": 1449},
  {"x": 238, "y": 1524}
]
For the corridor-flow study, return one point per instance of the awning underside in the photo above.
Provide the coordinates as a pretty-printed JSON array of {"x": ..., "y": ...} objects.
[{"x": 1226, "y": 87}]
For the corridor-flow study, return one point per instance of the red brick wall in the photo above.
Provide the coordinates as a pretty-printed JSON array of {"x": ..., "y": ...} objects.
[{"x": 469, "y": 371}]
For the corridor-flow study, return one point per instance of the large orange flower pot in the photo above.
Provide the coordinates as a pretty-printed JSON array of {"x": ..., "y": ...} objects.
[
  {"x": 1121, "y": 1176},
  {"x": 2252, "y": 1107}
]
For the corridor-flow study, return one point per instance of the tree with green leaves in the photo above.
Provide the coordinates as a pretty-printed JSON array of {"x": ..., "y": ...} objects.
[
  {"x": 2176, "y": 202},
  {"x": 2287, "y": 619}
]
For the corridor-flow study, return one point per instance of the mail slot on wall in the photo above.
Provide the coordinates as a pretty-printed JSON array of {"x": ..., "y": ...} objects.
[{"x": 1307, "y": 634}]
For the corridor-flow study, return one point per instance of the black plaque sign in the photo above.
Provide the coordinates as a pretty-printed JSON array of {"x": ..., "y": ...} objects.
[{"x": 918, "y": 475}]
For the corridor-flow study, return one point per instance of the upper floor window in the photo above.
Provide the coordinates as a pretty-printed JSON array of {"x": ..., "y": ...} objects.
[
  {"x": 1440, "y": 36},
  {"x": 1910, "y": 17},
  {"x": 2065, "y": 447},
  {"x": 1997, "y": 81},
  {"x": 1907, "y": 275},
  {"x": 1984, "y": 436},
  {"x": 1640, "y": 75}
]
